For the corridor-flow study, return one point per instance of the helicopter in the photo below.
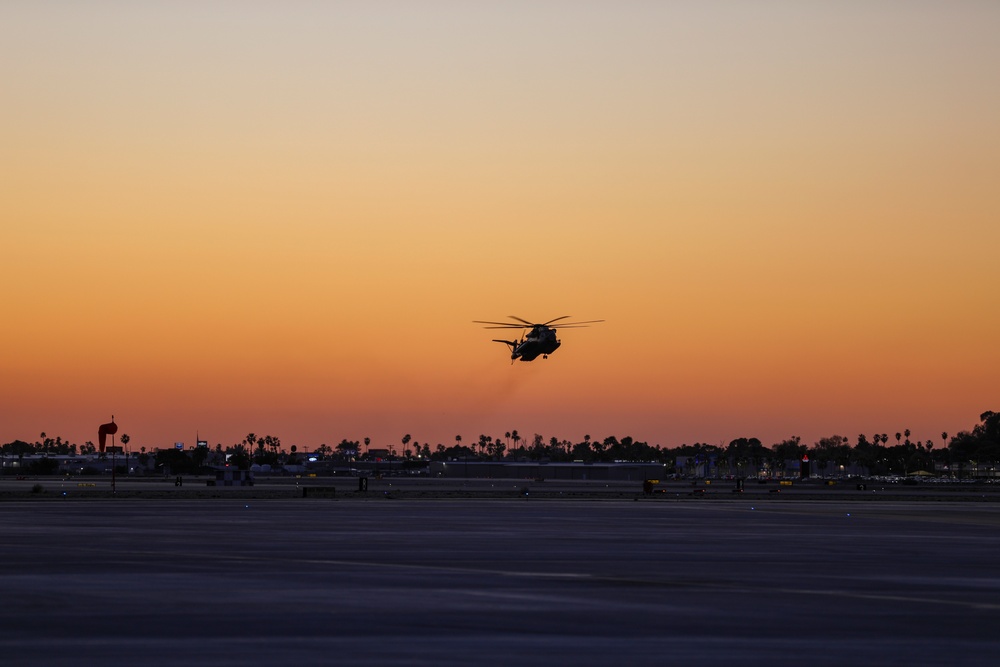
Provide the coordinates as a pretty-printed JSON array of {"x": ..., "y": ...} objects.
[{"x": 540, "y": 340}]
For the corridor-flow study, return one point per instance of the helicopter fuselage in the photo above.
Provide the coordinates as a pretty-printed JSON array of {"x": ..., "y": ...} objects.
[{"x": 539, "y": 341}]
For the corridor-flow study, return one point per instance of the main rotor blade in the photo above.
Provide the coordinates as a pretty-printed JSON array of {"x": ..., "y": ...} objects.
[
  {"x": 529, "y": 325},
  {"x": 574, "y": 324},
  {"x": 502, "y": 325}
]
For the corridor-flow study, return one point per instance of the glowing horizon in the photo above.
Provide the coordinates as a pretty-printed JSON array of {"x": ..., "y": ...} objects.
[{"x": 252, "y": 217}]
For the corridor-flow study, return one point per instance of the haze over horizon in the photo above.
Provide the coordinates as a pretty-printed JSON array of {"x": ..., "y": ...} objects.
[{"x": 283, "y": 218}]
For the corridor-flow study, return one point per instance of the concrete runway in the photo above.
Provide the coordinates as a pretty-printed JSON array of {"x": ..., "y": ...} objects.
[{"x": 498, "y": 582}]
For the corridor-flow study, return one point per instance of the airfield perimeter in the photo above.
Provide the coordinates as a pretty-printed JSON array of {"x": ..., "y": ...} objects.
[
  {"x": 412, "y": 488},
  {"x": 529, "y": 578}
]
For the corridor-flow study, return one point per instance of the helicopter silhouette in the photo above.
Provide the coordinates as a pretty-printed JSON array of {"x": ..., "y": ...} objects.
[{"x": 540, "y": 340}]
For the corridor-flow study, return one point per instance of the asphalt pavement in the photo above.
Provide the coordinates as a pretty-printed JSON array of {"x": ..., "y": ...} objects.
[{"x": 497, "y": 582}]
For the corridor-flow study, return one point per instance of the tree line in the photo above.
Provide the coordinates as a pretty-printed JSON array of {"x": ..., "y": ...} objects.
[{"x": 875, "y": 451}]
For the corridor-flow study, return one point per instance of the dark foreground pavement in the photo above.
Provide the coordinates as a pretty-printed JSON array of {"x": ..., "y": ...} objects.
[{"x": 498, "y": 582}]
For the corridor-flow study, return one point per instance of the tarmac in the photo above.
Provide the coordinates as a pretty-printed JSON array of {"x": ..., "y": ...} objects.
[
  {"x": 524, "y": 580},
  {"x": 419, "y": 487}
]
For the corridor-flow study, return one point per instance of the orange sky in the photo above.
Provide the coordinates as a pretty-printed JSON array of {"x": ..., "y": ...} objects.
[{"x": 234, "y": 217}]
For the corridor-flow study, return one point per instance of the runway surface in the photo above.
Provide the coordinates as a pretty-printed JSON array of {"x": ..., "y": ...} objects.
[{"x": 498, "y": 582}]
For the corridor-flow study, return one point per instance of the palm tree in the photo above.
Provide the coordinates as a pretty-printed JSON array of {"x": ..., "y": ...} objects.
[
  {"x": 124, "y": 440},
  {"x": 368, "y": 441},
  {"x": 515, "y": 437},
  {"x": 906, "y": 433},
  {"x": 599, "y": 447},
  {"x": 898, "y": 436}
]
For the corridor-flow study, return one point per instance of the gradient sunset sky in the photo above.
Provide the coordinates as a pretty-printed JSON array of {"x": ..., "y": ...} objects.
[{"x": 282, "y": 218}]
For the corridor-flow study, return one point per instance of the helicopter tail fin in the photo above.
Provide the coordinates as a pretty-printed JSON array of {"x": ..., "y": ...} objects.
[{"x": 512, "y": 344}]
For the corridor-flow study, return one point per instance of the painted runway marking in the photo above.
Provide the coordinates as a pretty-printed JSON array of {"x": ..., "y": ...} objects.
[{"x": 733, "y": 587}]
